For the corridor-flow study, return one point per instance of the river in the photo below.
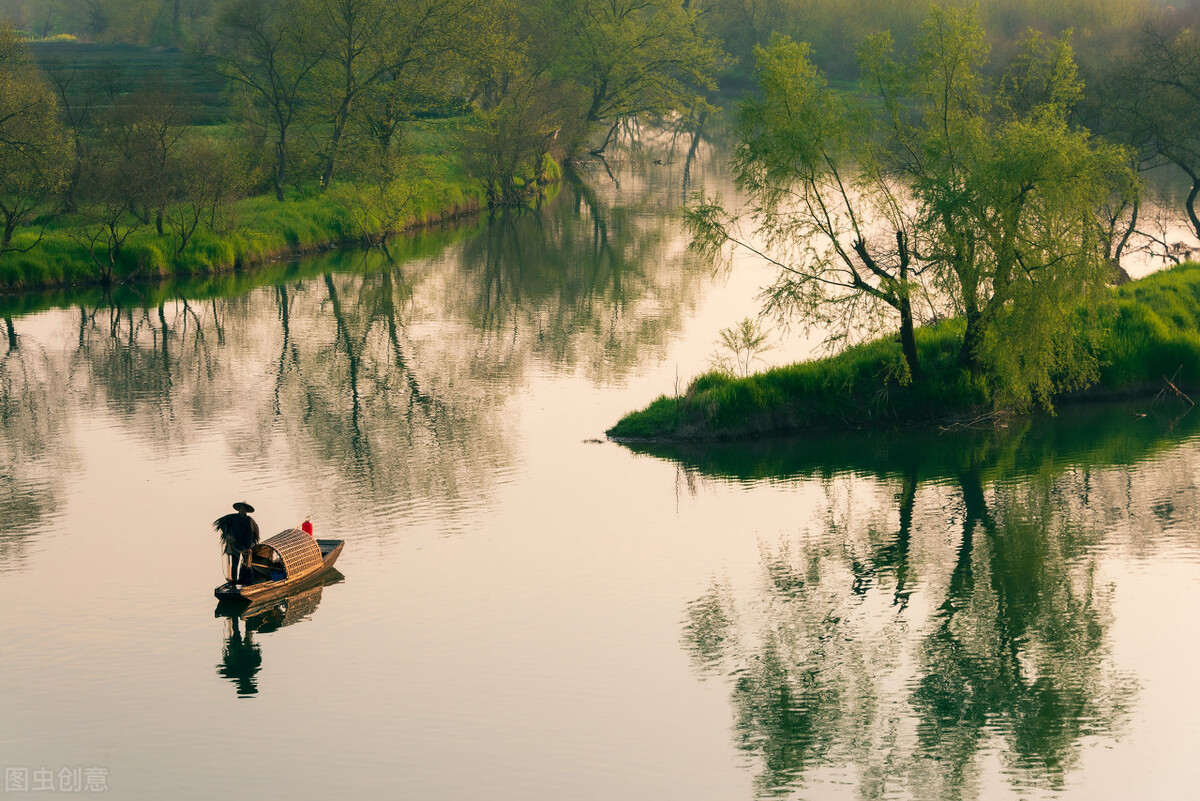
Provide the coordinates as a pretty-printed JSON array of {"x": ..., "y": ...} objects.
[{"x": 526, "y": 611}]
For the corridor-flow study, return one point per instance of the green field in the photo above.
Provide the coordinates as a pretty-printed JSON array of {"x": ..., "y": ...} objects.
[{"x": 128, "y": 66}]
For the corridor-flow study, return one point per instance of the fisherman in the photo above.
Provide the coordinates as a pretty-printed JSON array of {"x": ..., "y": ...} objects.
[{"x": 239, "y": 533}]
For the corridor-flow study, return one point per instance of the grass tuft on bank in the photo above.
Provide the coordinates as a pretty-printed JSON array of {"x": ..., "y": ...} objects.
[{"x": 1151, "y": 333}]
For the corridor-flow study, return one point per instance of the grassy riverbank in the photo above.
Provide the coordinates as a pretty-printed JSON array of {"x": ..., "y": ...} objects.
[
  {"x": 424, "y": 243},
  {"x": 1151, "y": 334},
  {"x": 259, "y": 229}
]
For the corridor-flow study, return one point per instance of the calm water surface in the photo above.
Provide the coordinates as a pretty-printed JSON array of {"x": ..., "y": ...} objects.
[{"x": 530, "y": 613}]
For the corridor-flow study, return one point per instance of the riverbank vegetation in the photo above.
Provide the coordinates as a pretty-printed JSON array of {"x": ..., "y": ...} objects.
[
  {"x": 135, "y": 132},
  {"x": 1147, "y": 343},
  {"x": 358, "y": 118},
  {"x": 980, "y": 206}
]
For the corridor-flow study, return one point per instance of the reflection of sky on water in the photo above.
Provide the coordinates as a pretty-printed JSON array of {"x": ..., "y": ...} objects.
[{"x": 529, "y": 614}]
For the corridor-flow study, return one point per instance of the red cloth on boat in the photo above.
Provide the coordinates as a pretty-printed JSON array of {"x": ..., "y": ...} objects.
[{"x": 306, "y": 527}]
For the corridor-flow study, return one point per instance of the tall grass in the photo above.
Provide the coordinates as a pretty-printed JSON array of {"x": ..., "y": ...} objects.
[{"x": 1152, "y": 332}]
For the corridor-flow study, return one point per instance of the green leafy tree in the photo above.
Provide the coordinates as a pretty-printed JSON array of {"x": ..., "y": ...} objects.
[
  {"x": 35, "y": 150},
  {"x": 526, "y": 109},
  {"x": 821, "y": 207},
  {"x": 105, "y": 217},
  {"x": 1010, "y": 196},
  {"x": 633, "y": 57},
  {"x": 507, "y": 145},
  {"x": 381, "y": 52},
  {"x": 976, "y": 195},
  {"x": 271, "y": 58},
  {"x": 203, "y": 178},
  {"x": 146, "y": 128}
]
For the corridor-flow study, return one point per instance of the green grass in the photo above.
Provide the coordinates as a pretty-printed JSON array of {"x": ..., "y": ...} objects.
[
  {"x": 862, "y": 385},
  {"x": 1151, "y": 332},
  {"x": 259, "y": 228},
  {"x": 200, "y": 288}
]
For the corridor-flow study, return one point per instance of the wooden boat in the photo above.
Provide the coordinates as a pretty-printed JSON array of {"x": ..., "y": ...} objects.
[
  {"x": 283, "y": 564},
  {"x": 275, "y": 613}
]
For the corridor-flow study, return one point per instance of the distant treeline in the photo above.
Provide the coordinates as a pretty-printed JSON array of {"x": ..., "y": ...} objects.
[
  {"x": 833, "y": 27},
  {"x": 100, "y": 141}
]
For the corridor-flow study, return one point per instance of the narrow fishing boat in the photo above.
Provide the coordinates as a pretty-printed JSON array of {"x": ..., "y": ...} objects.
[{"x": 282, "y": 564}]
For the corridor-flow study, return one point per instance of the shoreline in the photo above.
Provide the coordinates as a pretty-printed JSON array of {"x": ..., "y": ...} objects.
[
  {"x": 981, "y": 421},
  {"x": 256, "y": 231},
  {"x": 243, "y": 249},
  {"x": 1150, "y": 345}
]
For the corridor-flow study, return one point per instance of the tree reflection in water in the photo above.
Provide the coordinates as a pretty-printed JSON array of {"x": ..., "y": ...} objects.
[
  {"x": 375, "y": 379},
  {"x": 954, "y": 616},
  {"x": 37, "y": 456},
  {"x": 584, "y": 282}
]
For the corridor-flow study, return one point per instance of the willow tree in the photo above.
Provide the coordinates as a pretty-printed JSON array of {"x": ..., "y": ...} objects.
[
  {"x": 34, "y": 147},
  {"x": 937, "y": 182},
  {"x": 822, "y": 209},
  {"x": 1009, "y": 195}
]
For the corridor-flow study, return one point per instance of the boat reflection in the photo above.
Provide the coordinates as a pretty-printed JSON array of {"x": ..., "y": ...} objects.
[{"x": 241, "y": 657}]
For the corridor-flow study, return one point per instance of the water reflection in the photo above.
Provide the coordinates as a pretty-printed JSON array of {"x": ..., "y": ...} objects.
[
  {"x": 1019, "y": 644},
  {"x": 587, "y": 282},
  {"x": 241, "y": 656},
  {"x": 37, "y": 458},
  {"x": 949, "y": 611},
  {"x": 376, "y": 379}
]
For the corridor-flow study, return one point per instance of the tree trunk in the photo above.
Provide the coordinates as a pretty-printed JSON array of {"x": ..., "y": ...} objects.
[
  {"x": 10, "y": 226},
  {"x": 598, "y": 93},
  {"x": 908, "y": 338},
  {"x": 280, "y": 168},
  {"x": 1133, "y": 220},
  {"x": 607, "y": 139},
  {"x": 335, "y": 139},
  {"x": 968, "y": 354},
  {"x": 1191, "y": 201}
]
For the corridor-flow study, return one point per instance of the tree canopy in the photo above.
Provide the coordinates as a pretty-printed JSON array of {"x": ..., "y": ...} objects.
[
  {"x": 976, "y": 195},
  {"x": 34, "y": 146}
]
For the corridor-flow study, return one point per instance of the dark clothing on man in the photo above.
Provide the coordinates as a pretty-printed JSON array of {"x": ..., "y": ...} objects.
[
  {"x": 239, "y": 533},
  {"x": 239, "y": 527}
]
